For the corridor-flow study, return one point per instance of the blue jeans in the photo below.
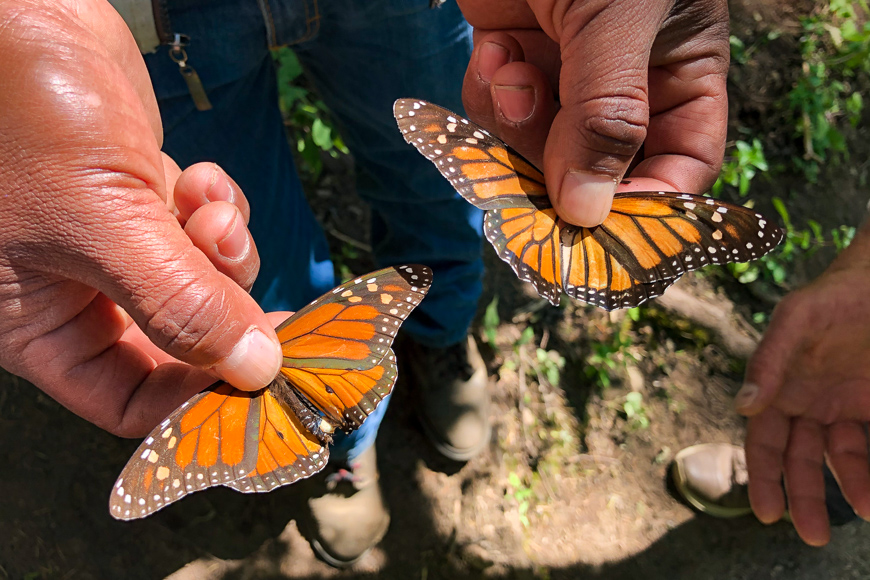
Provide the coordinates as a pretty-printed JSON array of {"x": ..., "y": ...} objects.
[{"x": 361, "y": 55}]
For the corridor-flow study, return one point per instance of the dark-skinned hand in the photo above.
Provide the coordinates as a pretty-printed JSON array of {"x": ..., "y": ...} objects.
[{"x": 593, "y": 91}]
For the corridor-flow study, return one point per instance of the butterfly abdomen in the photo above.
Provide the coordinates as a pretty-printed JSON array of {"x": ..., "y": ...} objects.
[{"x": 318, "y": 425}]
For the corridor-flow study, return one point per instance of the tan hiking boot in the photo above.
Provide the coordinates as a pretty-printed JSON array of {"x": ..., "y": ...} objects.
[
  {"x": 713, "y": 478},
  {"x": 452, "y": 398},
  {"x": 348, "y": 516}
]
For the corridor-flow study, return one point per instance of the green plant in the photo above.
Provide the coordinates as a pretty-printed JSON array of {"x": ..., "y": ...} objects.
[
  {"x": 635, "y": 412},
  {"x": 738, "y": 50},
  {"x": 798, "y": 244},
  {"x": 610, "y": 356},
  {"x": 835, "y": 48},
  {"x": 549, "y": 364},
  {"x": 306, "y": 116},
  {"x": 340, "y": 261},
  {"x": 491, "y": 321},
  {"x": 522, "y": 494},
  {"x": 739, "y": 168}
]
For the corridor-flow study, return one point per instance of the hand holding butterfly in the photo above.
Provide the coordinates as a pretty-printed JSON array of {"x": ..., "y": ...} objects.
[
  {"x": 632, "y": 76},
  {"x": 96, "y": 234},
  {"x": 807, "y": 394}
]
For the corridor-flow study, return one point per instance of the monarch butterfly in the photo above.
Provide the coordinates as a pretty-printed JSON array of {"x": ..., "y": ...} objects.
[
  {"x": 338, "y": 365},
  {"x": 645, "y": 244}
]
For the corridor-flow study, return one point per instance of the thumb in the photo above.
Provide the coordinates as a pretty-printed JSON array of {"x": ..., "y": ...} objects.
[
  {"x": 605, "y": 108},
  {"x": 184, "y": 305}
]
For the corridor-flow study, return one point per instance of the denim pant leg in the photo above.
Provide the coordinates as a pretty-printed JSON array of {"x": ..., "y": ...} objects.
[{"x": 364, "y": 57}]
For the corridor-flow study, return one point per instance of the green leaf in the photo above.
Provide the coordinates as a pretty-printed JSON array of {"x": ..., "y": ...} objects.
[
  {"x": 780, "y": 208},
  {"x": 321, "y": 134},
  {"x": 491, "y": 321},
  {"x": 527, "y": 336}
]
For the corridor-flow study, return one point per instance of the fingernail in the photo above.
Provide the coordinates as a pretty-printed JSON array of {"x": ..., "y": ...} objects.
[
  {"x": 491, "y": 57},
  {"x": 234, "y": 245},
  {"x": 586, "y": 197},
  {"x": 254, "y": 362},
  {"x": 517, "y": 103},
  {"x": 745, "y": 396},
  {"x": 219, "y": 188}
]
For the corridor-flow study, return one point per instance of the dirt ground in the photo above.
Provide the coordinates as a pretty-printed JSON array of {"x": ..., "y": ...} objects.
[{"x": 571, "y": 486}]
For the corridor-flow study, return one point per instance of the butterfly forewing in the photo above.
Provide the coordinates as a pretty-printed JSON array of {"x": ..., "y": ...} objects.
[
  {"x": 479, "y": 166},
  {"x": 646, "y": 243},
  {"x": 209, "y": 440},
  {"x": 673, "y": 233}
]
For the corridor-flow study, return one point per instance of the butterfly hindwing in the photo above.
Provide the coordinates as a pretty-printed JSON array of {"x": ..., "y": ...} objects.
[
  {"x": 528, "y": 240},
  {"x": 287, "y": 451},
  {"x": 337, "y": 349},
  {"x": 209, "y": 440},
  {"x": 645, "y": 244},
  {"x": 599, "y": 278}
]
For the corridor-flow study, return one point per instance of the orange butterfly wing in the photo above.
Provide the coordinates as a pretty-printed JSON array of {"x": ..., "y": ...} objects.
[
  {"x": 337, "y": 350},
  {"x": 596, "y": 276},
  {"x": 207, "y": 441},
  {"x": 338, "y": 365},
  {"x": 522, "y": 225},
  {"x": 528, "y": 240},
  {"x": 647, "y": 242},
  {"x": 484, "y": 170},
  {"x": 286, "y": 450}
]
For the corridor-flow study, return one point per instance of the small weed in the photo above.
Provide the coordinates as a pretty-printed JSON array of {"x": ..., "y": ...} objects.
[
  {"x": 609, "y": 357},
  {"x": 549, "y": 364},
  {"x": 835, "y": 48},
  {"x": 799, "y": 244},
  {"x": 740, "y": 167},
  {"x": 491, "y": 321},
  {"x": 635, "y": 412},
  {"x": 522, "y": 494}
]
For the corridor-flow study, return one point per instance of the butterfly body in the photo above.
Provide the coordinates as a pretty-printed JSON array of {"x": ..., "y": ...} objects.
[
  {"x": 338, "y": 366},
  {"x": 290, "y": 398},
  {"x": 645, "y": 244}
]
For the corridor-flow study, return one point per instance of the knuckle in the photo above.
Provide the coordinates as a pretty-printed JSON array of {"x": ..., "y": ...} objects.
[
  {"x": 248, "y": 275},
  {"x": 127, "y": 427},
  {"x": 616, "y": 126},
  {"x": 190, "y": 323}
]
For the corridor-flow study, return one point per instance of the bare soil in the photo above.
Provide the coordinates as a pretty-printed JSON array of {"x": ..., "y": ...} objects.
[{"x": 571, "y": 487}]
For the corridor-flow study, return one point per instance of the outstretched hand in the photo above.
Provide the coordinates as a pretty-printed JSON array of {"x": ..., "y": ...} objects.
[
  {"x": 101, "y": 231},
  {"x": 592, "y": 90},
  {"x": 807, "y": 393}
]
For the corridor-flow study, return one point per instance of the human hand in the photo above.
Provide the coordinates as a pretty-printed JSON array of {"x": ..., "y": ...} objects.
[
  {"x": 807, "y": 395},
  {"x": 96, "y": 234},
  {"x": 630, "y": 74}
]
